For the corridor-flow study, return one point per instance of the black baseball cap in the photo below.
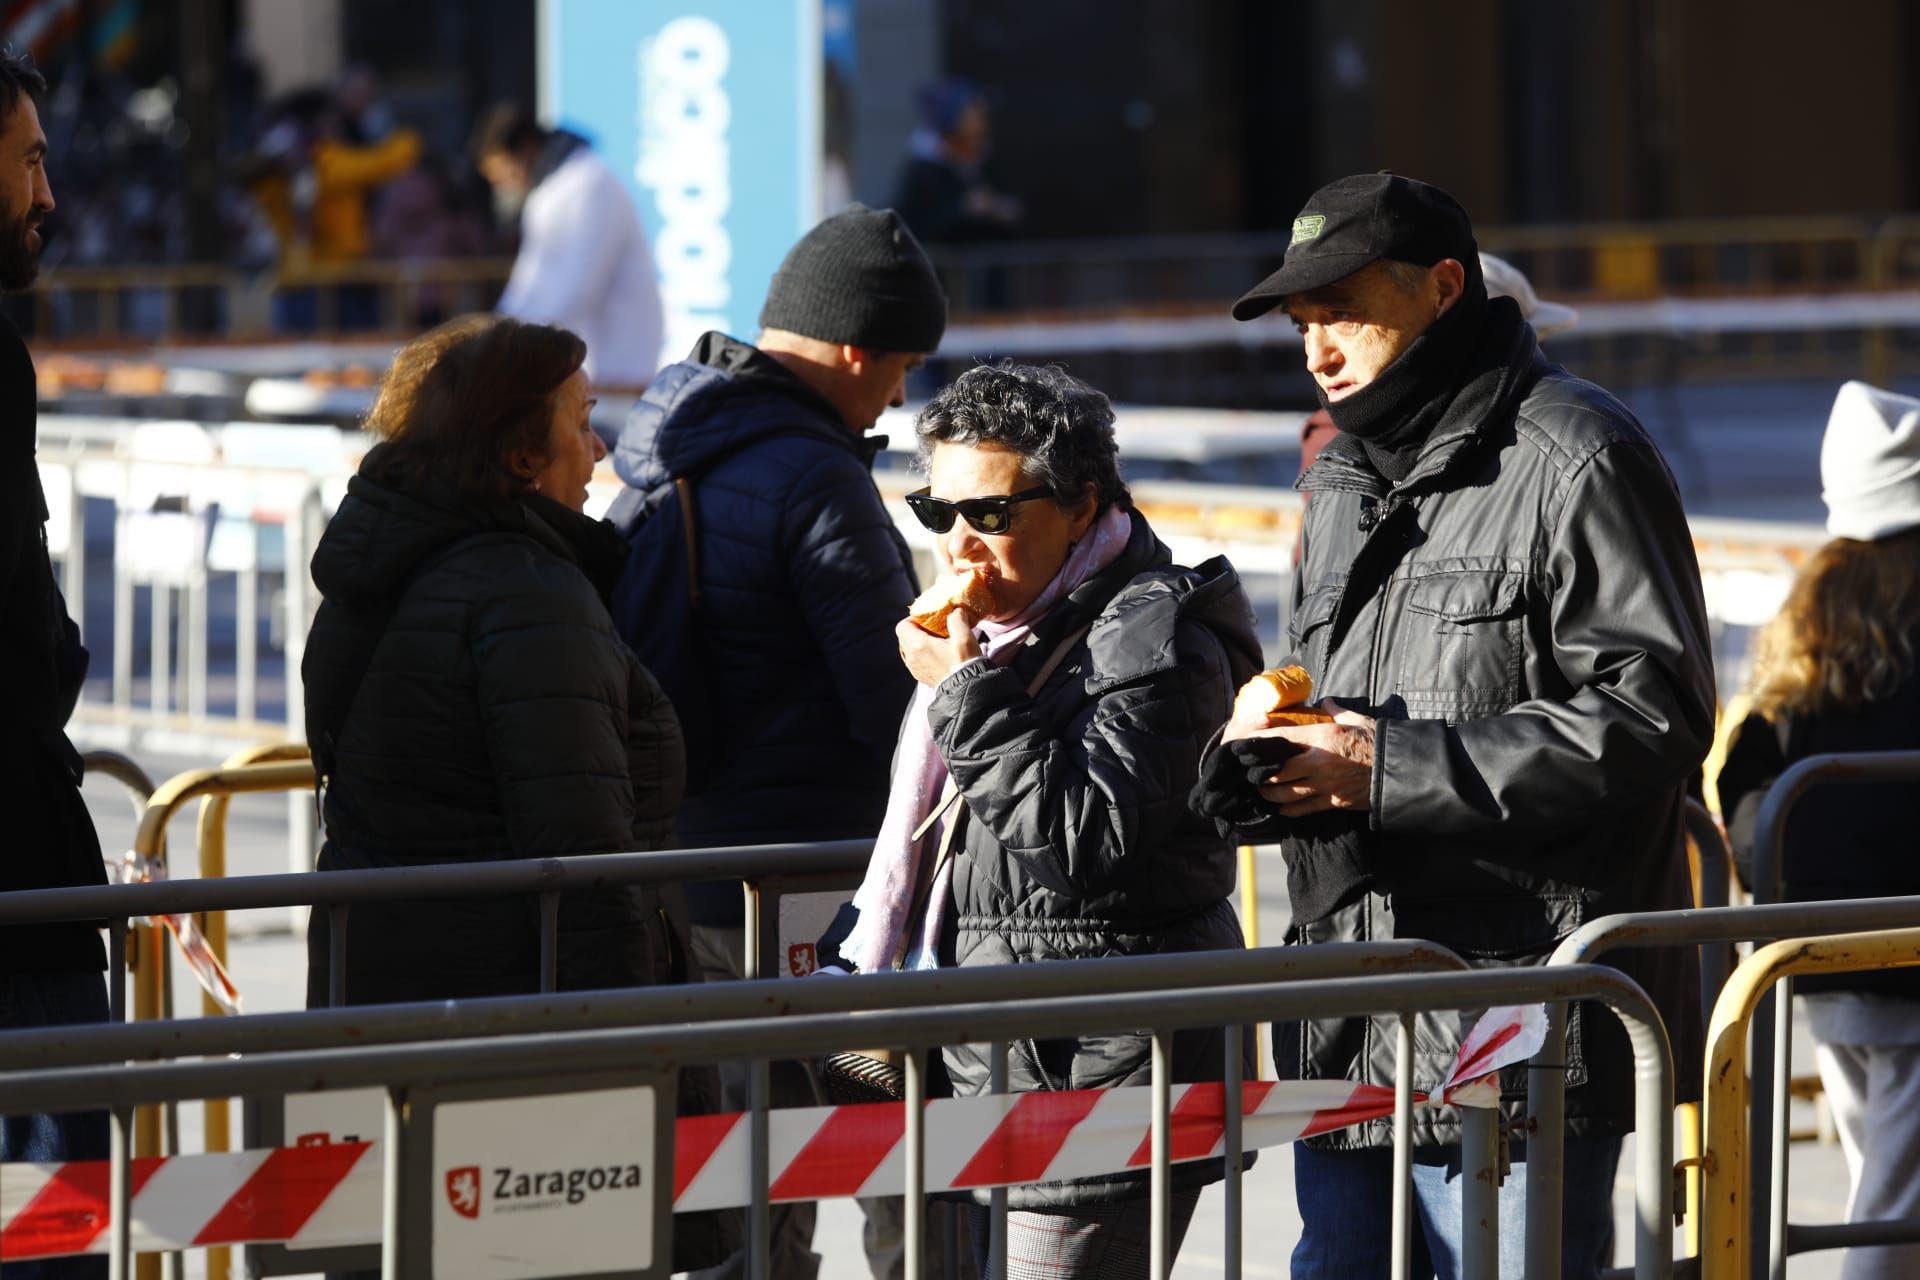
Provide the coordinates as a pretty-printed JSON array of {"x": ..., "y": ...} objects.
[{"x": 1354, "y": 221}]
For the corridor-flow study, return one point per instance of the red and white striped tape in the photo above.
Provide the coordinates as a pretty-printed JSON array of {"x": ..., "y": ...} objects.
[
  {"x": 329, "y": 1194},
  {"x": 318, "y": 1195},
  {"x": 194, "y": 947}
]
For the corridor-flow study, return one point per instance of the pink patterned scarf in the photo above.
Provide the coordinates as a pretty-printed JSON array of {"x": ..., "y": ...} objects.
[{"x": 920, "y": 775}]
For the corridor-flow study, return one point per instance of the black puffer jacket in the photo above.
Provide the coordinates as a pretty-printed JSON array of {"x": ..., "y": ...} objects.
[
  {"x": 465, "y": 680},
  {"x": 1077, "y": 839},
  {"x": 1523, "y": 613},
  {"x": 1853, "y": 841}
]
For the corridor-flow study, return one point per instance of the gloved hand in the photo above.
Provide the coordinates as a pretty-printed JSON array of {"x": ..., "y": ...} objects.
[{"x": 1229, "y": 772}]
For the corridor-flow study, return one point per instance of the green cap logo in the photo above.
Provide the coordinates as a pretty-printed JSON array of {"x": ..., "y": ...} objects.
[{"x": 1307, "y": 227}]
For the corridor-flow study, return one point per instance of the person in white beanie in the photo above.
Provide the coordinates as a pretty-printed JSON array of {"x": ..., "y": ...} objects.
[{"x": 1839, "y": 670}]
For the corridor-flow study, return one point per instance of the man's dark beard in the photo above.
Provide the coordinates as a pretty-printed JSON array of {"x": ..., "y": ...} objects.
[{"x": 19, "y": 260}]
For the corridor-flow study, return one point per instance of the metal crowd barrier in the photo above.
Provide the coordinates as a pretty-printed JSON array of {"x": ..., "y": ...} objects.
[
  {"x": 1727, "y": 1230},
  {"x": 122, "y": 769},
  {"x": 1773, "y": 1036},
  {"x": 767, "y": 870},
  {"x": 289, "y": 771},
  {"x": 442, "y": 1020},
  {"x": 1712, "y": 928},
  {"x": 211, "y": 848},
  {"x": 919, "y": 1012},
  {"x": 769, "y": 873},
  {"x": 338, "y": 890},
  {"x": 1546, "y": 1084}
]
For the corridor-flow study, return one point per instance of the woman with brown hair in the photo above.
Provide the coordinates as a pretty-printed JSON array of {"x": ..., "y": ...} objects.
[
  {"x": 1839, "y": 670},
  {"x": 466, "y": 696}
]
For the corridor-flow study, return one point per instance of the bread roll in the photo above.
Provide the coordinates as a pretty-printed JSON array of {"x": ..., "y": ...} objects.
[
  {"x": 1295, "y": 717},
  {"x": 1279, "y": 697},
  {"x": 971, "y": 590}
]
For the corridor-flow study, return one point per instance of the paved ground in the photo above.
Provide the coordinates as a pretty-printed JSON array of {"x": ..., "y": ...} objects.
[{"x": 270, "y": 965}]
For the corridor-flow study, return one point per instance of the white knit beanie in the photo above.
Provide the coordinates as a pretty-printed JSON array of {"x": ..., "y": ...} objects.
[
  {"x": 1504, "y": 280},
  {"x": 1870, "y": 463}
]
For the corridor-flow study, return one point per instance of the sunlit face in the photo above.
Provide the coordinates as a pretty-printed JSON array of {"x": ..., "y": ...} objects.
[
  {"x": 25, "y": 196},
  {"x": 1024, "y": 559},
  {"x": 880, "y": 385},
  {"x": 1357, "y": 326},
  {"x": 506, "y": 172},
  {"x": 573, "y": 450}
]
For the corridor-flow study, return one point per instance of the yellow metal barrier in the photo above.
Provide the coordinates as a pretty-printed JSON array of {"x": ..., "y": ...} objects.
[
  {"x": 1250, "y": 927},
  {"x": 274, "y": 768},
  {"x": 1726, "y": 1186}
]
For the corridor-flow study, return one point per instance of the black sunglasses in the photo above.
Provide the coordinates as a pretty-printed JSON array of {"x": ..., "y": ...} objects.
[{"x": 983, "y": 515}]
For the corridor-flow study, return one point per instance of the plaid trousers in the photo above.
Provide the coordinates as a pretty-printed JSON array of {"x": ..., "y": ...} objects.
[{"x": 1086, "y": 1242}]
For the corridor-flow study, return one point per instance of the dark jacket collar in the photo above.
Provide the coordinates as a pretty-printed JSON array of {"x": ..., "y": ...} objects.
[
  {"x": 743, "y": 360},
  {"x": 726, "y": 395},
  {"x": 559, "y": 148},
  {"x": 1504, "y": 368},
  {"x": 1133, "y": 608},
  {"x": 381, "y": 536}
]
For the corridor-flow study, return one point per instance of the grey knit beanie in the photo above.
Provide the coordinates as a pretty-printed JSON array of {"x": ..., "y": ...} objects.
[
  {"x": 859, "y": 277},
  {"x": 1870, "y": 463}
]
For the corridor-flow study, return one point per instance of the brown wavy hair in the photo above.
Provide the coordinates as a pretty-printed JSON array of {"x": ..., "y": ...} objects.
[
  {"x": 462, "y": 399},
  {"x": 1846, "y": 634}
]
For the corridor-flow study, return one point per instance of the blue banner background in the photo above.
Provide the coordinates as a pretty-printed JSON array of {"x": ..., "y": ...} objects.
[{"x": 711, "y": 114}]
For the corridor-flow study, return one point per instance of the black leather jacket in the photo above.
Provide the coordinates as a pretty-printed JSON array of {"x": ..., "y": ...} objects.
[
  {"x": 1077, "y": 839},
  {"x": 1523, "y": 614}
]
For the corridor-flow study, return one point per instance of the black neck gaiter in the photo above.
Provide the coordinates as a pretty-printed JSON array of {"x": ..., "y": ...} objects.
[{"x": 1392, "y": 415}]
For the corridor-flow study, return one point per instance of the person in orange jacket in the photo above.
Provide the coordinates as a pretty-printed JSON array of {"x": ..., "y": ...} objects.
[{"x": 314, "y": 184}]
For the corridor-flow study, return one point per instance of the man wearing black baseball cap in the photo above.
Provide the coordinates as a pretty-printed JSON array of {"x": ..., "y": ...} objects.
[{"x": 1498, "y": 599}]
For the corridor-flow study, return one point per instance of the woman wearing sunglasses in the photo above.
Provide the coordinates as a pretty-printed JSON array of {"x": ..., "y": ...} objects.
[{"x": 1039, "y": 800}]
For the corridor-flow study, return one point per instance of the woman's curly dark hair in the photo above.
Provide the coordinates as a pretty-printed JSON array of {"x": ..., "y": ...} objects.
[
  {"x": 1059, "y": 424},
  {"x": 462, "y": 399}
]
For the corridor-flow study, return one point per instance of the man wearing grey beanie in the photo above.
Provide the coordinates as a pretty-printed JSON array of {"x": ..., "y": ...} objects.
[{"x": 766, "y": 577}]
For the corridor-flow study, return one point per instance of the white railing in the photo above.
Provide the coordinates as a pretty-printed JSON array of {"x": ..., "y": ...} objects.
[{"x": 194, "y": 502}]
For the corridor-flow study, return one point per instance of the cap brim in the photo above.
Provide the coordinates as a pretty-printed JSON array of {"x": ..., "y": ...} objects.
[{"x": 1298, "y": 277}]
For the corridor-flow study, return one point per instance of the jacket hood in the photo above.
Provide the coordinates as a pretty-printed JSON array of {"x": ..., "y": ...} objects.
[
  {"x": 561, "y": 146},
  {"x": 724, "y": 396},
  {"x": 380, "y": 537},
  {"x": 1153, "y": 595}
]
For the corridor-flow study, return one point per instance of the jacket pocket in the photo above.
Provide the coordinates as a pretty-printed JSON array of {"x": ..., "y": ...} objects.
[
  {"x": 1462, "y": 645},
  {"x": 1307, "y": 626}
]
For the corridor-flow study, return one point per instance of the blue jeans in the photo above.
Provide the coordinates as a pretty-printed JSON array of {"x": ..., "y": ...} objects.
[
  {"x": 52, "y": 1000},
  {"x": 1346, "y": 1212}
]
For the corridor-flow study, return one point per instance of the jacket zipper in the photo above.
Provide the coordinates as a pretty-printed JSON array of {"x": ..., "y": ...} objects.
[{"x": 1379, "y": 630}]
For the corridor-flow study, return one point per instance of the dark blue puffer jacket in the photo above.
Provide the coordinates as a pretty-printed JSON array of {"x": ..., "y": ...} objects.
[{"x": 792, "y": 658}]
